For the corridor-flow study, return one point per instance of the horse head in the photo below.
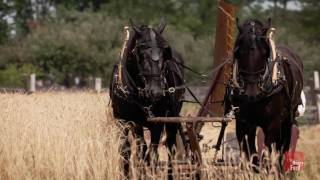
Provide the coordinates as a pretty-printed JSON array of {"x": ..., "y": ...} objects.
[
  {"x": 152, "y": 52},
  {"x": 251, "y": 56}
]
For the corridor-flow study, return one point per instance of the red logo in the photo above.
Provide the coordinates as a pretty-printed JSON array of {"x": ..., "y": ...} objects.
[{"x": 293, "y": 161}]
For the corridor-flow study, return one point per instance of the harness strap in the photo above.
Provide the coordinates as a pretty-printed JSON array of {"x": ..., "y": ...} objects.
[
  {"x": 124, "y": 47},
  {"x": 273, "y": 54},
  {"x": 203, "y": 75},
  {"x": 190, "y": 69},
  {"x": 198, "y": 101}
]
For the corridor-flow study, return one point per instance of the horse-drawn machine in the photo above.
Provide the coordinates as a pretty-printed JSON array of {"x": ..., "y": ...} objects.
[{"x": 148, "y": 87}]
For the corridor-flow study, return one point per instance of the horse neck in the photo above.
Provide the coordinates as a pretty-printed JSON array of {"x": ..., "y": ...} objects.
[
  {"x": 175, "y": 75},
  {"x": 130, "y": 73}
]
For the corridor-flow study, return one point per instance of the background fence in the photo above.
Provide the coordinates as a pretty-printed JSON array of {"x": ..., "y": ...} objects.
[
  {"x": 312, "y": 93},
  {"x": 32, "y": 84},
  {"x": 311, "y": 89}
]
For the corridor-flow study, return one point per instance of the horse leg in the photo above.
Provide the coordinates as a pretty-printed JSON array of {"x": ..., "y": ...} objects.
[
  {"x": 294, "y": 135},
  {"x": 125, "y": 153},
  {"x": 246, "y": 135},
  {"x": 274, "y": 135},
  {"x": 260, "y": 142},
  {"x": 141, "y": 148},
  {"x": 252, "y": 145},
  {"x": 171, "y": 130},
  {"x": 242, "y": 132},
  {"x": 294, "y": 138},
  {"x": 156, "y": 130}
]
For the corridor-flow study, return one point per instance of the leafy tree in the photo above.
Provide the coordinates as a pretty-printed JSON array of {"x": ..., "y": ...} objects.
[
  {"x": 23, "y": 15},
  {"x": 309, "y": 19},
  {"x": 198, "y": 17},
  {"x": 4, "y": 27},
  {"x": 80, "y": 5},
  {"x": 14, "y": 76}
]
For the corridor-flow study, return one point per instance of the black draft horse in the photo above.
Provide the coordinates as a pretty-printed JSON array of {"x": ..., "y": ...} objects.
[
  {"x": 147, "y": 81},
  {"x": 264, "y": 102}
]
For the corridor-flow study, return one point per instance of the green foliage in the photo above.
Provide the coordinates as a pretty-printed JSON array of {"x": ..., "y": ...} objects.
[
  {"x": 298, "y": 30},
  {"x": 307, "y": 51},
  {"x": 88, "y": 44},
  {"x": 78, "y": 41},
  {"x": 24, "y": 12},
  {"x": 235, "y": 2},
  {"x": 309, "y": 18},
  {"x": 4, "y": 31},
  {"x": 13, "y": 76},
  {"x": 4, "y": 27},
  {"x": 197, "y": 17},
  {"x": 196, "y": 52}
]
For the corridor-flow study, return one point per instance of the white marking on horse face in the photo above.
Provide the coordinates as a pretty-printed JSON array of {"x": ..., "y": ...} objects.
[{"x": 155, "y": 51}]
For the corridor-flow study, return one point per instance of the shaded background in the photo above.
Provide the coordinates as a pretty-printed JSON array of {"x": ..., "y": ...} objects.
[{"x": 60, "y": 40}]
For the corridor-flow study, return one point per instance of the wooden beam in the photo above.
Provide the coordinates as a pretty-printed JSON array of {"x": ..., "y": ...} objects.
[
  {"x": 188, "y": 119},
  {"x": 223, "y": 49}
]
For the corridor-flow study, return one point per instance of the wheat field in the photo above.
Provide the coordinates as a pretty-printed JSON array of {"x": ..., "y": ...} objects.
[
  {"x": 72, "y": 135},
  {"x": 57, "y": 136}
]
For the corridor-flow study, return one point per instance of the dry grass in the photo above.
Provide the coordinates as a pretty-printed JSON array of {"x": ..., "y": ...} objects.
[
  {"x": 73, "y": 136},
  {"x": 57, "y": 136},
  {"x": 309, "y": 144}
]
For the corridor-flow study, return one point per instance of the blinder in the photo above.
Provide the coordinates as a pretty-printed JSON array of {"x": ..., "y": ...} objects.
[
  {"x": 261, "y": 77},
  {"x": 167, "y": 53},
  {"x": 153, "y": 50}
]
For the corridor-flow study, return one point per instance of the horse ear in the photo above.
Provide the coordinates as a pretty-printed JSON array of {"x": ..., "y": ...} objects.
[
  {"x": 238, "y": 25},
  {"x": 135, "y": 28},
  {"x": 268, "y": 24},
  {"x": 162, "y": 25}
]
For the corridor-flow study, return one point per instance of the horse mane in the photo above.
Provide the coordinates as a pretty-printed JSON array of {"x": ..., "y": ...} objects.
[{"x": 130, "y": 44}]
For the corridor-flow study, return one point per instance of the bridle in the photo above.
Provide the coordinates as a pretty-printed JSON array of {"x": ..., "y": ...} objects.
[
  {"x": 241, "y": 76},
  {"x": 144, "y": 75},
  {"x": 164, "y": 68},
  {"x": 255, "y": 74}
]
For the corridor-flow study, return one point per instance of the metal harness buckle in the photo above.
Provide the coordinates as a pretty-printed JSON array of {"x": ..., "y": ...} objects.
[{"x": 171, "y": 90}]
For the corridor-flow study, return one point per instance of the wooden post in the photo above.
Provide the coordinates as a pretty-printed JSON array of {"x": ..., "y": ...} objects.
[
  {"x": 317, "y": 93},
  {"x": 32, "y": 83},
  {"x": 318, "y": 106},
  {"x": 77, "y": 81},
  {"x": 316, "y": 80},
  {"x": 97, "y": 85}
]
